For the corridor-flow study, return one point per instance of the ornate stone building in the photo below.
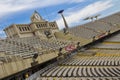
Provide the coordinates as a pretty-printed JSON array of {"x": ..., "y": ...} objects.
[{"x": 37, "y": 27}]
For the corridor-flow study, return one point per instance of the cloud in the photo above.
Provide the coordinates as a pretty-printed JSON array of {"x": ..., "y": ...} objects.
[
  {"x": 76, "y": 14},
  {"x": 9, "y": 6},
  {"x": 2, "y": 34}
]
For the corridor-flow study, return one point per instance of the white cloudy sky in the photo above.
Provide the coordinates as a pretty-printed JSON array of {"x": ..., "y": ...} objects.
[{"x": 19, "y": 11}]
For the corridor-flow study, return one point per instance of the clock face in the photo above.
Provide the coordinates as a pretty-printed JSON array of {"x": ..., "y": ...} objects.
[{"x": 37, "y": 16}]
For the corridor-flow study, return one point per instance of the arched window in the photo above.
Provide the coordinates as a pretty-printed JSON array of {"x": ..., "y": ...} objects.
[
  {"x": 20, "y": 29},
  {"x": 25, "y": 28},
  {"x": 28, "y": 28}
]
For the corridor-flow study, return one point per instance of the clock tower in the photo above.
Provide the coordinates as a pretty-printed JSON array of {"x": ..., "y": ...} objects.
[{"x": 36, "y": 17}]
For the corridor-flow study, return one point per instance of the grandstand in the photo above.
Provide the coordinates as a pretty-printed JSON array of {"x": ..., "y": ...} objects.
[{"x": 40, "y": 51}]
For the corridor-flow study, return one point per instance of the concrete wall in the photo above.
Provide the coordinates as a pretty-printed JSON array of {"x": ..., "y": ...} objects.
[
  {"x": 26, "y": 35},
  {"x": 10, "y": 68}
]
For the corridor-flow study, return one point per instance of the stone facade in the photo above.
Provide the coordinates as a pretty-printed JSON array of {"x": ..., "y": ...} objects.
[{"x": 37, "y": 27}]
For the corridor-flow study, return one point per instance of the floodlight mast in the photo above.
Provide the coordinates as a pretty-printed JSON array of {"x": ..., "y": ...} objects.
[{"x": 61, "y": 12}]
